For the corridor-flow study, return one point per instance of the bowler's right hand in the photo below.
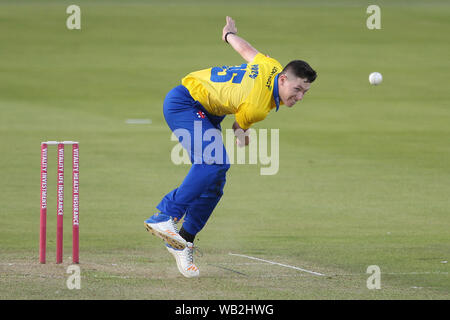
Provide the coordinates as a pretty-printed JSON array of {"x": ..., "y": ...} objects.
[{"x": 229, "y": 27}]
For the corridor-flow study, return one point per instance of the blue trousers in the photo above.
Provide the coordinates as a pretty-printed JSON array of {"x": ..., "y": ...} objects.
[{"x": 202, "y": 188}]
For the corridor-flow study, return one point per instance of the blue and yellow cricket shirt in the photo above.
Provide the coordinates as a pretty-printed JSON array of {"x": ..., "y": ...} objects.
[{"x": 249, "y": 91}]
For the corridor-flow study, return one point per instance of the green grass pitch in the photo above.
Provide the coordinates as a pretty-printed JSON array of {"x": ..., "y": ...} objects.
[{"x": 364, "y": 176}]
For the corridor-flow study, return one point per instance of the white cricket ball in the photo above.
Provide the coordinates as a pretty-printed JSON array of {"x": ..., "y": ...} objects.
[{"x": 375, "y": 78}]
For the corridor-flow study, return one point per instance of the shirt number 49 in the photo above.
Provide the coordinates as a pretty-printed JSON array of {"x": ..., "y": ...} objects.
[{"x": 226, "y": 73}]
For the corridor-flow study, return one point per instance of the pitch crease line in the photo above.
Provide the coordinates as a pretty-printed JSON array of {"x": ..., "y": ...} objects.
[{"x": 276, "y": 263}]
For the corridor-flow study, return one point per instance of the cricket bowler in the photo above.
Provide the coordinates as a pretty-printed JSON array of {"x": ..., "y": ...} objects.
[{"x": 249, "y": 91}]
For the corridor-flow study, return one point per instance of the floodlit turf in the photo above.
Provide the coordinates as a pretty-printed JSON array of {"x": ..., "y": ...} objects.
[{"x": 364, "y": 176}]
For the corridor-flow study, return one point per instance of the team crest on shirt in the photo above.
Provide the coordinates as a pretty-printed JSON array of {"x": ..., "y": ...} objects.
[{"x": 201, "y": 114}]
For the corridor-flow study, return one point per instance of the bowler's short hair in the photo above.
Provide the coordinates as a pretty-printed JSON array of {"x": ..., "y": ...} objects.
[{"x": 300, "y": 69}]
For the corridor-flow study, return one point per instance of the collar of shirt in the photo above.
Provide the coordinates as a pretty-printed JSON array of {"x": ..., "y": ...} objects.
[{"x": 276, "y": 95}]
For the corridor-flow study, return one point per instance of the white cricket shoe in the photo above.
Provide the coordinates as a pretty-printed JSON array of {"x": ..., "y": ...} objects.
[
  {"x": 185, "y": 260},
  {"x": 163, "y": 226}
]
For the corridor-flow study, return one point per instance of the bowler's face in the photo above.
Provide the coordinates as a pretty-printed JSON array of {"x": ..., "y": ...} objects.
[{"x": 292, "y": 89}]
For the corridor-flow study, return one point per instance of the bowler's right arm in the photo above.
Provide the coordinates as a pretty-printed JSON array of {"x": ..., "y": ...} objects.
[{"x": 241, "y": 46}]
